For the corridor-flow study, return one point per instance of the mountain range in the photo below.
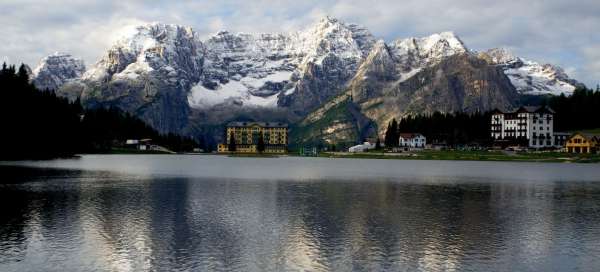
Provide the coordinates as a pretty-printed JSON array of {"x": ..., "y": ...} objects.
[{"x": 334, "y": 80}]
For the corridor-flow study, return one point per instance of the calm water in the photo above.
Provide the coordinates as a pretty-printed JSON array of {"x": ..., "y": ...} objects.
[{"x": 203, "y": 213}]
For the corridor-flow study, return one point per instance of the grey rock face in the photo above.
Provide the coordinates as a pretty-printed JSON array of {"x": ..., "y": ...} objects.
[
  {"x": 56, "y": 70},
  {"x": 461, "y": 82}
]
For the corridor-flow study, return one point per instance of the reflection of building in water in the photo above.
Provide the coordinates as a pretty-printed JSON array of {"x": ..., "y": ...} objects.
[{"x": 525, "y": 216}]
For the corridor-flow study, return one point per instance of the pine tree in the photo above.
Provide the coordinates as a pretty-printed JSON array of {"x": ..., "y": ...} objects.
[
  {"x": 22, "y": 75},
  {"x": 394, "y": 133},
  {"x": 387, "y": 138}
]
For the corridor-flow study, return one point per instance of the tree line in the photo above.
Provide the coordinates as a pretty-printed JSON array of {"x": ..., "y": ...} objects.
[
  {"x": 444, "y": 128},
  {"x": 38, "y": 124},
  {"x": 579, "y": 111}
]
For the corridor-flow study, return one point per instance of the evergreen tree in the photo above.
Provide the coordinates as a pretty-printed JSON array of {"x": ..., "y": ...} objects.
[
  {"x": 22, "y": 75},
  {"x": 232, "y": 146},
  {"x": 394, "y": 134},
  {"x": 260, "y": 146},
  {"x": 388, "y": 136}
]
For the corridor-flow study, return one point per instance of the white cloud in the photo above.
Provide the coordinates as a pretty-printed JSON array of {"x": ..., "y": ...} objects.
[
  {"x": 557, "y": 31},
  {"x": 592, "y": 64}
]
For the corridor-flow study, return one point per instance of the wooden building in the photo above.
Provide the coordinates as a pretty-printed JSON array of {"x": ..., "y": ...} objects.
[{"x": 583, "y": 143}]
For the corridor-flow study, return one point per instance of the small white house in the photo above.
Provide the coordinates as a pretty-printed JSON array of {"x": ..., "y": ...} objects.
[
  {"x": 412, "y": 140},
  {"x": 143, "y": 144},
  {"x": 361, "y": 148}
]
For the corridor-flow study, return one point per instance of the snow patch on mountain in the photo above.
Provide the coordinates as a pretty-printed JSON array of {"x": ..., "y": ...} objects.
[
  {"x": 414, "y": 54},
  {"x": 535, "y": 79},
  {"x": 232, "y": 92},
  {"x": 530, "y": 77}
]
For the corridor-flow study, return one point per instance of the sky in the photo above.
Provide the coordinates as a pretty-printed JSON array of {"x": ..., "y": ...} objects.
[{"x": 561, "y": 32}]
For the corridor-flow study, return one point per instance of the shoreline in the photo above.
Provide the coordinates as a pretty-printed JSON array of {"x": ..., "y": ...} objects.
[{"x": 548, "y": 157}]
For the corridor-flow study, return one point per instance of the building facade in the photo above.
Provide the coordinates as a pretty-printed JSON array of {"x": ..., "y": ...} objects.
[
  {"x": 246, "y": 137},
  {"x": 560, "y": 138},
  {"x": 583, "y": 143},
  {"x": 412, "y": 140},
  {"x": 527, "y": 126}
]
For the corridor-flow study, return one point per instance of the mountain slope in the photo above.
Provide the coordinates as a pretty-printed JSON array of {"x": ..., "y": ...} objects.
[{"x": 459, "y": 83}]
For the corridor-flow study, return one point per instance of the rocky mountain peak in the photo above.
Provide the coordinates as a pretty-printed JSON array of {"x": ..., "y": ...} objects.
[
  {"x": 57, "y": 69},
  {"x": 499, "y": 56},
  {"x": 436, "y": 46},
  {"x": 330, "y": 35},
  {"x": 167, "y": 48}
]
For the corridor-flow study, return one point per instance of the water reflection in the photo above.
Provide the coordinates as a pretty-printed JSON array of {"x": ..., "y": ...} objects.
[{"x": 84, "y": 220}]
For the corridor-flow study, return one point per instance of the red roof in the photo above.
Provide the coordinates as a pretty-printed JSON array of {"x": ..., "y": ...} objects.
[{"x": 410, "y": 135}]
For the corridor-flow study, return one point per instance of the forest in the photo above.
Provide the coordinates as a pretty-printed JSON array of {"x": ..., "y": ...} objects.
[{"x": 36, "y": 124}]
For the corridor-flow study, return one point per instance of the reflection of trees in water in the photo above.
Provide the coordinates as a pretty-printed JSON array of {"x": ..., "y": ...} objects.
[
  {"x": 35, "y": 204},
  {"x": 13, "y": 221}
]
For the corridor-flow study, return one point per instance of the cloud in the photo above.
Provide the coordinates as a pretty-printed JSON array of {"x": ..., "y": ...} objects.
[{"x": 557, "y": 31}]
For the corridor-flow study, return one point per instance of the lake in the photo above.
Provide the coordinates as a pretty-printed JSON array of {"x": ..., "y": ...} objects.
[{"x": 217, "y": 213}]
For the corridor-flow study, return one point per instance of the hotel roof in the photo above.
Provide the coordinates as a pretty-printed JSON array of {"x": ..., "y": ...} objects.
[
  {"x": 529, "y": 109},
  {"x": 262, "y": 124}
]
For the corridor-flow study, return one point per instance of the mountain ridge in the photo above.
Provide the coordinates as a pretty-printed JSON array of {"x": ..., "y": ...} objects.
[{"x": 178, "y": 82}]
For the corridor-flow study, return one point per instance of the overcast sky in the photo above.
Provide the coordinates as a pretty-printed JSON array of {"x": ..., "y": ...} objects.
[{"x": 563, "y": 32}]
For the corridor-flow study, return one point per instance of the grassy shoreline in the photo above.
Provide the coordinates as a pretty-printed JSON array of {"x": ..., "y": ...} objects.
[
  {"x": 554, "y": 157},
  {"x": 472, "y": 156}
]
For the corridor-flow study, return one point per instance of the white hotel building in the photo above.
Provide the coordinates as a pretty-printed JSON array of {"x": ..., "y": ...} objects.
[{"x": 527, "y": 126}]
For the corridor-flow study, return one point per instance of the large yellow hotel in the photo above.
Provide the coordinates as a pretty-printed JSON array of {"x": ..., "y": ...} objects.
[{"x": 246, "y": 137}]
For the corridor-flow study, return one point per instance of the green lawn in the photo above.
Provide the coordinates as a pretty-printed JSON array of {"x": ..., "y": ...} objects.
[{"x": 592, "y": 131}]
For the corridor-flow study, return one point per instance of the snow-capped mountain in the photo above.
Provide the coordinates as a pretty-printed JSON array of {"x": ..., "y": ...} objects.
[
  {"x": 414, "y": 54},
  {"x": 168, "y": 75},
  {"x": 530, "y": 77},
  {"x": 57, "y": 69},
  {"x": 264, "y": 69}
]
